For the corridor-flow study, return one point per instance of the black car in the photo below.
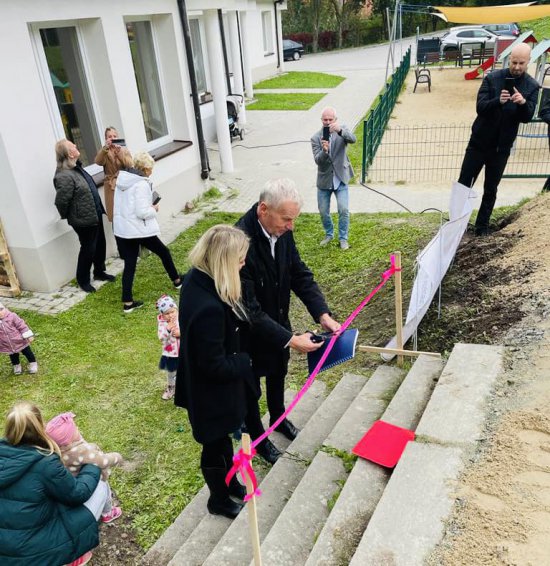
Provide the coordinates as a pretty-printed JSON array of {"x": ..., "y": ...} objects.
[{"x": 292, "y": 50}]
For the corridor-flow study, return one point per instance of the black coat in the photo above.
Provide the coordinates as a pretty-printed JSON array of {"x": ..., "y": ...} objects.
[
  {"x": 496, "y": 125},
  {"x": 267, "y": 284},
  {"x": 212, "y": 372}
]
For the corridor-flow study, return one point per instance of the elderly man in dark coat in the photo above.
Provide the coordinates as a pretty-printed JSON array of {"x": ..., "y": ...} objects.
[{"x": 273, "y": 269}]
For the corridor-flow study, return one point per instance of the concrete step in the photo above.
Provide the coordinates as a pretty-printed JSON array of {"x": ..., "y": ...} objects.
[
  {"x": 234, "y": 548},
  {"x": 409, "y": 520},
  {"x": 349, "y": 517},
  {"x": 309, "y": 505},
  {"x": 166, "y": 547}
]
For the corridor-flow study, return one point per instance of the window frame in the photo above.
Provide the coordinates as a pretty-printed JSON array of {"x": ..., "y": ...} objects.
[
  {"x": 269, "y": 49},
  {"x": 47, "y": 87},
  {"x": 167, "y": 138},
  {"x": 203, "y": 95}
]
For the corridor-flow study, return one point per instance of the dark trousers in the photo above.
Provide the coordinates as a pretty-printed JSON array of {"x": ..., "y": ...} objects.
[
  {"x": 129, "y": 251},
  {"x": 253, "y": 420},
  {"x": 92, "y": 251},
  {"x": 275, "y": 394},
  {"x": 27, "y": 352},
  {"x": 494, "y": 163},
  {"x": 217, "y": 454}
]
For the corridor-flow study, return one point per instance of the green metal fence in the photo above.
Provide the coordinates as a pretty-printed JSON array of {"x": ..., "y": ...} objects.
[{"x": 375, "y": 124}]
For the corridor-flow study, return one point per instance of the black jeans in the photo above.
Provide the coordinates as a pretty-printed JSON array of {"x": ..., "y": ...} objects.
[
  {"x": 494, "y": 163},
  {"x": 275, "y": 394},
  {"x": 27, "y": 352},
  {"x": 217, "y": 454},
  {"x": 92, "y": 251},
  {"x": 129, "y": 251}
]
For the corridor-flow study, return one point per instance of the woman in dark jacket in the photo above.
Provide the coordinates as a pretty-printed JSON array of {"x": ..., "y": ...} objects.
[
  {"x": 215, "y": 381},
  {"x": 43, "y": 519}
]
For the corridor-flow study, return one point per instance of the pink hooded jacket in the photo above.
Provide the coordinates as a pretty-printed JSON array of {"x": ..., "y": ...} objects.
[{"x": 14, "y": 333}]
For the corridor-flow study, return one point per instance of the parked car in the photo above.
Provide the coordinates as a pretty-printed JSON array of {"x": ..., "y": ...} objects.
[
  {"x": 292, "y": 50},
  {"x": 503, "y": 29},
  {"x": 456, "y": 37}
]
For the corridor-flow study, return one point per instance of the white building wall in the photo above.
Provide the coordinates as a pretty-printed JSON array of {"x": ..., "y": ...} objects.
[{"x": 43, "y": 246}]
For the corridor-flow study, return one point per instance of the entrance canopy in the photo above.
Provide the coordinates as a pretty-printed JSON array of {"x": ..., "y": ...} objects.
[{"x": 493, "y": 14}]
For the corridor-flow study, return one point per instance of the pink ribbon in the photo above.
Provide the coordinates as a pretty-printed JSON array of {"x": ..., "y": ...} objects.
[
  {"x": 241, "y": 461},
  {"x": 241, "y": 464}
]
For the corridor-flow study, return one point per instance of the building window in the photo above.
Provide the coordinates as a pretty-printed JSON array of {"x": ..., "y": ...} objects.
[
  {"x": 198, "y": 60},
  {"x": 267, "y": 33},
  {"x": 140, "y": 36},
  {"x": 70, "y": 87}
]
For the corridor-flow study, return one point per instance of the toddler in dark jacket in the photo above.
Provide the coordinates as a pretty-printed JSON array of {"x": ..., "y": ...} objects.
[{"x": 15, "y": 339}]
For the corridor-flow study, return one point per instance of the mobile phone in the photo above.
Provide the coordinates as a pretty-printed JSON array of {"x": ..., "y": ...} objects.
[
  {"x": 510, "y": 83},
  {"x": 317, "y": 337},
  {"x": 156, "y": 198},
  {"x": 119, "y": 141},
  {"x": 326, "y": 133}
]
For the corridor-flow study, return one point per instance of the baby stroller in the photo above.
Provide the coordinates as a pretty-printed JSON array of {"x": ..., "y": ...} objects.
[{"x": 234, "y": 103}]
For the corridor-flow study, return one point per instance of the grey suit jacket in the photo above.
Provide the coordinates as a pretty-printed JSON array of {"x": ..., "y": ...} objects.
[{"x": 336, "y": 161}]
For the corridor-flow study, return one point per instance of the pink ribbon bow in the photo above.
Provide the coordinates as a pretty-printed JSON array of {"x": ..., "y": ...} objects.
[{"x": 241, "y": 463}]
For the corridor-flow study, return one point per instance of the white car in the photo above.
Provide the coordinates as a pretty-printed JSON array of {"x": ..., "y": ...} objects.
[{"x": 465, "y": 39}]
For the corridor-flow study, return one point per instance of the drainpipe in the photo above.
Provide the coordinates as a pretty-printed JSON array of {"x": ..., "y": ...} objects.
[
  {"x": 205, "y": 166},
  {"x": 224, "y": 50},
  {"x": 240, "y": 47},
  {"x": 277, "y": 32}
]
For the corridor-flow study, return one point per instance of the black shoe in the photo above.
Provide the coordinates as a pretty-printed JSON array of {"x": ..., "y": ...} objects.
[
  {"x": 286, "y": 428},
  {"x": 135, "y": 305},
  {"x": 88, "y": 288},
  {"x": 104, "y": 276},
  {"x": 225, "y": 507},
  {"x": 219, "y": 502},
  {"x": 268, "y": 451},
  {"x": 236, "y": 489}
]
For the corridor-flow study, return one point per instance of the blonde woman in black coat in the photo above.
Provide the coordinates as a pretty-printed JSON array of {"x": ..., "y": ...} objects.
[{"x": 215, "y": 382}]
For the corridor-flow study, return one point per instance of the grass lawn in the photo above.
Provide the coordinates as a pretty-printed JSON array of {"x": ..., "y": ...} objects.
[
  {"x": 291, "y": 101},
  {"x": 540, "y": 27},
  {"x": 102, "y": 364},
  {"x": 294, "y": 79}
]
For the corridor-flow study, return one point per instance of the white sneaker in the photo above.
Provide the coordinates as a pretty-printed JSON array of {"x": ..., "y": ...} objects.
[
  {"x": 344, "y": 245},
  {"x": 33, "y": 367},
  {"x": 17, "y": 369},
  {"x": 326, "y": 241}
]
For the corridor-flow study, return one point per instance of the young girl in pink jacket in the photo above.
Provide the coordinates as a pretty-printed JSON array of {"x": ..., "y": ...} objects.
[{"x": 15, "y": 339}]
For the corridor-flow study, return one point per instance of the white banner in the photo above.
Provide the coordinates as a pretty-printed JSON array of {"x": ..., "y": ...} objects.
[{"x": 434, "y": 260}]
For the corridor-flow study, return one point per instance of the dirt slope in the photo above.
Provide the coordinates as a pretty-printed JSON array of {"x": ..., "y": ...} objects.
[{"x": 502, "y": 514}]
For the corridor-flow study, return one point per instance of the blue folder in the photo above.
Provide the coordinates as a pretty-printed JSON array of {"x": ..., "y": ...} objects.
[{"x": 342, "y": 350}]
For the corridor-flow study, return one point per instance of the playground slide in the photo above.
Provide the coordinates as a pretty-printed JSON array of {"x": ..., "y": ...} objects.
[{"x": 471, "y": 75}]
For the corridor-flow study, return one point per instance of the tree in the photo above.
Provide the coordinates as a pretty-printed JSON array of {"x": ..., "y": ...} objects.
[{"x": 342, "y": 10}]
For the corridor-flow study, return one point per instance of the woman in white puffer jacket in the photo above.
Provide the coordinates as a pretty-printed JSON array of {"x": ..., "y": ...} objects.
[{"x": 135, "y": 224}]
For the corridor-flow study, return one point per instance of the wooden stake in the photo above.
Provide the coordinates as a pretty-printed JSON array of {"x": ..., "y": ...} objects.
[
  {"x": 252, "y": 512},
  {"x": 395, "y": 351},
  {"x": 398, "y": 307}
]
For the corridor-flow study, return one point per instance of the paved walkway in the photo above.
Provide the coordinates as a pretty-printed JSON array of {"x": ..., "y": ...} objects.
[{"x": 277, "y": 144}]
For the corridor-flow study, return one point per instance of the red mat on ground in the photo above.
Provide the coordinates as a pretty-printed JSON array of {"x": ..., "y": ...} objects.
[{"x": 383, "y": 444}]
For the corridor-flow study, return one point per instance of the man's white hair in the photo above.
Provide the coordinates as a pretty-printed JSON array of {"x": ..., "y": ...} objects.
[{"x": 277, "y": 191}]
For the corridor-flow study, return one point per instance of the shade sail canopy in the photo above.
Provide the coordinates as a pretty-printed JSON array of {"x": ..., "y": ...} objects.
[{"x": 492, "y": 15}]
